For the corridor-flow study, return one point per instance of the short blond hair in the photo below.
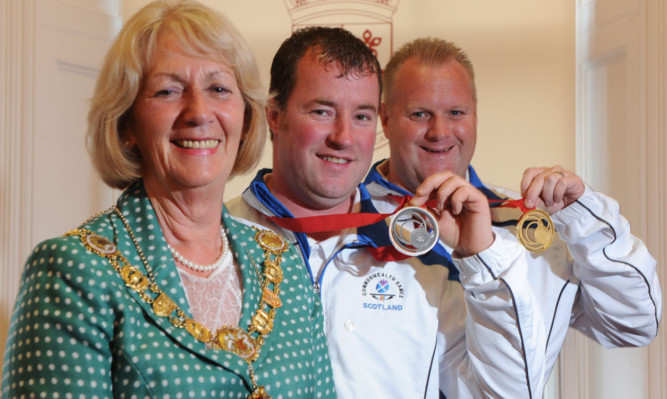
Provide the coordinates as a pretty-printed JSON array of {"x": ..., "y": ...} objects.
[
  {"x": 201, "y": 31},
  {"x": 429, "y": 51}
]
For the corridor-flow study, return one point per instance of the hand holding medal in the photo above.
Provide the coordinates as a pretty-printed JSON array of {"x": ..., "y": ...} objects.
[
  {"x": 461, "y": 211},
  {"x": 551, "y": 189},
  {"x": 447, "y": 207},
  {"x": 554, "y": 189}
]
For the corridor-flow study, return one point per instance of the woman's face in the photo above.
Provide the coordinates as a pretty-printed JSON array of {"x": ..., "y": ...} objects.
[{"x": 186, "y": 121}]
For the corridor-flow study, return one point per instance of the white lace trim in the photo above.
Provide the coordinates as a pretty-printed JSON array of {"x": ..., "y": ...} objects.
[{"x": 215, "y": 301}]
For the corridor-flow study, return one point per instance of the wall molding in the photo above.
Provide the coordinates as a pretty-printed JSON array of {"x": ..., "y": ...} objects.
[
  {"x": 17, "y": 38},
  {"x": 574, "y": 368},
  {"x": 655, "y": 14},
  {"x": 77, "y": 69}
]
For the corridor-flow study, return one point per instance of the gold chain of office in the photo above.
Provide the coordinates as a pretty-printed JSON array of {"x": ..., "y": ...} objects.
[{"x": 231, "y": 339}]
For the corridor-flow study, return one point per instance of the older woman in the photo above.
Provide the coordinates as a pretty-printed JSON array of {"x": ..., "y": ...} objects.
[{"x": 160, "y": 296}]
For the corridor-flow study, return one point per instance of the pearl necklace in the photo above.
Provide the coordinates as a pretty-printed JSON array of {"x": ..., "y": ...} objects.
[{"x": 224, "y": 254}]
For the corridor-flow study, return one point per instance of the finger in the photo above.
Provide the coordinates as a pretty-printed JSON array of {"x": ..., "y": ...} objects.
[
  {"x": 552, "y": 179},
  {"x": 538, "y": 185},
  {"x": 464, "y": 198},
  {"x": 569, "y": 189},
  {"x": 429, "y": 187},
  {"x": 417, "y": 200},
  {"x": 561, "y": 188},
  {"x": 556, "y": 184},
  {"x": 445, "y": 194},
  {"x": 456, "y": 200},
  {"x": 531, "y": 186},
  {"x": 531, "y": 196},
  {"x": 528, "y": 177}
]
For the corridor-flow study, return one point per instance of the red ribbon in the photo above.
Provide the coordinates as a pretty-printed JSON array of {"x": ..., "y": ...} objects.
[
  {"x": 322, "y": 223},
  {"x": 518, "y": 203}
]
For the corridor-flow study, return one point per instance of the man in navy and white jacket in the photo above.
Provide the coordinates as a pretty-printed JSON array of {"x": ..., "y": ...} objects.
[
  {"x": 595, "y": 277},
  {"x": 396, "y": 328}
]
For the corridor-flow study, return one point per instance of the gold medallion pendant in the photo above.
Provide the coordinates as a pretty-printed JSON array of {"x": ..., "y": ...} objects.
[
  {"x": 237, "y": 341},
  {"x": 259, "y": 393},
  {"x": 100, "y": 245},
  {"x": 535, "y": 230},
  {"x": 271, "y": 242},
  {"x": 245, "y": 344}
]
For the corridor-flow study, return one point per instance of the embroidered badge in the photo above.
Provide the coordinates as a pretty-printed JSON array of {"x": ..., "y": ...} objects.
[{"x": 382, "y": 291}]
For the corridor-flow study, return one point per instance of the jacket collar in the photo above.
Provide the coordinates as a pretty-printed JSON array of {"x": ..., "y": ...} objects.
[
  {"x": 258, "y": 196},
  {"x": 141, "y": 217}
]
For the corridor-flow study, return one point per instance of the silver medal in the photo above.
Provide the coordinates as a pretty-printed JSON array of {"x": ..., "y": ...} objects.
[{"x": 413, "y": 231}]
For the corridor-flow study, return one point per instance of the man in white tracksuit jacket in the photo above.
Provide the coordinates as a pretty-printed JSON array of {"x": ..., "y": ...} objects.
[
  {"x": 596, "y": 276},
  {"x": 398, "y": 329},
  {"x": 402, "y": 328}
]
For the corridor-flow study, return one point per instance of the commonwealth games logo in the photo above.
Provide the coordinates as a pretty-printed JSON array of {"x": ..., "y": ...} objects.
[
  {"x": 382, "y": 291},
  {"x": 386, "y": 291}
]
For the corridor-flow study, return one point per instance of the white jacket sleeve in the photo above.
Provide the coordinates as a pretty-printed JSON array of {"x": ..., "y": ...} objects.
[
  {"x": 502, "y": 353},
  {"x": 619, "y": 301}
]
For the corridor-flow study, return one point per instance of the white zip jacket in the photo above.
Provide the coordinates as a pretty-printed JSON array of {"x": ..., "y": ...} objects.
[
  {"x": 595, "y": 277},
  {"x": 410, "y": 328}
]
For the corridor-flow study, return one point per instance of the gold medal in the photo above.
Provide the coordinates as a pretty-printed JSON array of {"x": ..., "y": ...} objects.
[{"x": 535, "y": 230}]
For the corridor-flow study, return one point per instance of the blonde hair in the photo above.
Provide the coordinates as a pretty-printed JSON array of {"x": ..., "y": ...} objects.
[
  {"x": 201, "y": 31},
  {"x": 429, "y": 51}
]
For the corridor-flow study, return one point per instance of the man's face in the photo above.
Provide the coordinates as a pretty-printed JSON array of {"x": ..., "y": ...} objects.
[
  {"x": 324, "y": 138},
  {"x": 430, "y": 121}
]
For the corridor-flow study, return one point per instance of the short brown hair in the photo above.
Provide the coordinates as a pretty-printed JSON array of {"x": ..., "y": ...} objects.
[
  {"x": 201, "y": 31},
  {"x": 430, "y": 51},
  {"x": 335, "y": 46}
]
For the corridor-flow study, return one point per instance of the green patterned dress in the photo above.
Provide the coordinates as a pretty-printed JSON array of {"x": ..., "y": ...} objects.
[{"x": 79, "y": 331}]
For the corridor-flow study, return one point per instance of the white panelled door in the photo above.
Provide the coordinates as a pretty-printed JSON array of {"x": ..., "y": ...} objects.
[
  {"x": 616, "y": 81},
  {"x": 52, "y": 50},
  {"x": 71, "y": 39}
]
